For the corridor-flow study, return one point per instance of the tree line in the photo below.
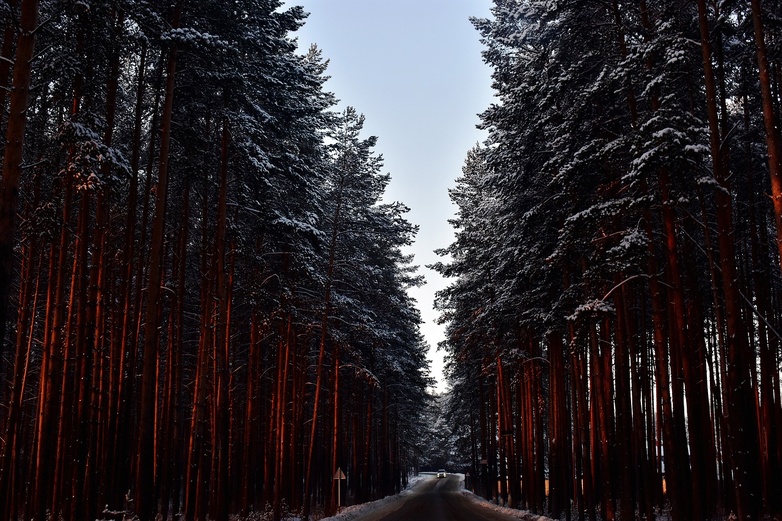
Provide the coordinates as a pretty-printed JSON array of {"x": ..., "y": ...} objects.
[
  {"x": 614, "y": 319},
  {"x": 203, "y": 295}
]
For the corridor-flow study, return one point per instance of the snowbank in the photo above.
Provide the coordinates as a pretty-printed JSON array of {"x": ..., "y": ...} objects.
[
  {"x": 512, "y": 512},
  {"x": 355, "y": 511}
]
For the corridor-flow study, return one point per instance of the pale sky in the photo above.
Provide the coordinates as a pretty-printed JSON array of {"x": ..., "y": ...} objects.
[{"x": 414, "y": 69}]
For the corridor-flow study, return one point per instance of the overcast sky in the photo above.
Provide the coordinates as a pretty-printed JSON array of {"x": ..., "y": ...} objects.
[{"x": 414, "y": 69}]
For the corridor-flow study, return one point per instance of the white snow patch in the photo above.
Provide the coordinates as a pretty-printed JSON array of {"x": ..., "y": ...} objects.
[
  {"x": 512, "y": 512},
  {"x": 354, "y": 511}
]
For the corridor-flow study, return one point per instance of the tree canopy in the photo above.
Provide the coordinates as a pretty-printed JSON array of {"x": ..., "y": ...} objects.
[
  {"x": 206, "y": 308},
  {"x": 612, "y": 319}
]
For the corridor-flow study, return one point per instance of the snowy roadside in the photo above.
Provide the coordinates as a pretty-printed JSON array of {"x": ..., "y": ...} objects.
[
  {"x": 512, "y": 512},
  {"x": 354, "y": 511}
]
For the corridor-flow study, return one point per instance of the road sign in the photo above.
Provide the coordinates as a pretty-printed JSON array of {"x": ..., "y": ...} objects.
[{"x": 339, "y": 476}]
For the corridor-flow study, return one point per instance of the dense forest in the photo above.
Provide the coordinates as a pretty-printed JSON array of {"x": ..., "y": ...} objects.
[
  {"x": 614, "y": 318},
  {"x": 203, "y": 295}
]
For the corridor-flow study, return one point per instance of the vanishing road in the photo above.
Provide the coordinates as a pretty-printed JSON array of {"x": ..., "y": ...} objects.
[{"x": 435, "y": 500}]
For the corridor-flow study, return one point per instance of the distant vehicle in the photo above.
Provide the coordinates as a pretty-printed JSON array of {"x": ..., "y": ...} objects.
[{"x": 441, "y": 473}]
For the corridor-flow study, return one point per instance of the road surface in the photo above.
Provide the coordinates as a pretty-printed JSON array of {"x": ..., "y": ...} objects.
[{"x": 435, "y": 499}]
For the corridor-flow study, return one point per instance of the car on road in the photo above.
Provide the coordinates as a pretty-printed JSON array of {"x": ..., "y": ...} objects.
[{"x": 441, "y": 473}]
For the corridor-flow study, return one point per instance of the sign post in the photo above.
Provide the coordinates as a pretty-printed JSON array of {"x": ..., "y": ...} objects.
[{"x": 339, "y": 476}]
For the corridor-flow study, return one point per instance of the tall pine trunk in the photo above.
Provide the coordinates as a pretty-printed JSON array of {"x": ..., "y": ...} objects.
[
  {"x": 145, "y": 486},
  {"x": 770, "y": 122},
  {"x": 742, "y": 427},
  {"x": 220, "y": 444},
  {"x": 324, "y": 325},
  {"x": 13, "y": 158}
]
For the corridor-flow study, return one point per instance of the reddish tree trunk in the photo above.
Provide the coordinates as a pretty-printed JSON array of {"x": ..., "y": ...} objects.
[
  {"x": 324, "y": 323},
  {"x": 9, "y": 464},
  {"x": 769, "y": 121},
  {"x": 742, "y": 426},
  {"x": 624, "y": 411},
  {"x": 13, "y": 157},
  {"x": 560, "y": 465},
  {"x": 220, "y": 446},
  {"x": 145, "y": 486}
]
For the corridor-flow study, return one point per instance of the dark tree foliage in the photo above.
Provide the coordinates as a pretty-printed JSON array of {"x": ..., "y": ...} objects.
[
  {"x": 613, "y": 320},
  {"x": 196, "y": 325}
]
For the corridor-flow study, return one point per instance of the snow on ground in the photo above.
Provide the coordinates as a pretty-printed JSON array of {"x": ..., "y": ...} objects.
[
  {"x": 354, "y": 511},
  {"x": 519, "y": 514}
]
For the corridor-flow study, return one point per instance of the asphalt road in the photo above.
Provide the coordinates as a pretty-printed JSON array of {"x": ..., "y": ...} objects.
[{"x": 435, "y": 500}]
